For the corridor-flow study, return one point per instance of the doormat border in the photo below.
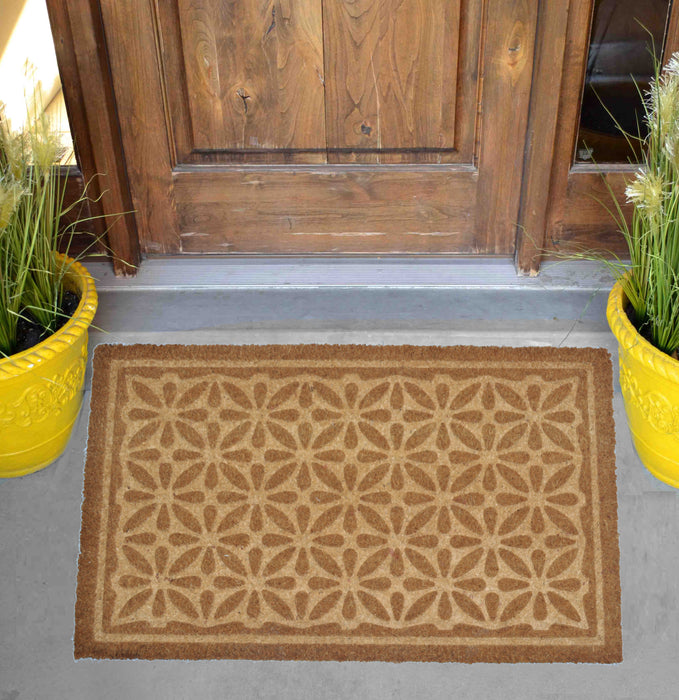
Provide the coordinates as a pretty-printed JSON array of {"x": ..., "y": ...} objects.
[{"x": 85, "y": 646}]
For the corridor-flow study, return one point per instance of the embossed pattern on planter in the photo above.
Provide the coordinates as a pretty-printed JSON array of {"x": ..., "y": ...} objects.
[
  {"x": 656, "y": 408},
  {"x": 351, "y": 500},
  {"x": 46, "y": 397}
]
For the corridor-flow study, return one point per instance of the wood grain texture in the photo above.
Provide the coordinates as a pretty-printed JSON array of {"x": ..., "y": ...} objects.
[
  {"x": 467, "y": 101},
  {"x": 672, "y": 33},
  {"x": 586, "y": 224},
  {"x": 543, "y": 115},
  {"x": 130, "y": 29},
  {"x": 254, "y": 73},
  {"x": 461, "y": 117},
  {"x": 220, "y": 206},
  {"x": 575, "y": 219},
  {"x": 90, "y": 102},
  {"x": 568, "y": 120},
  {"x": 507, "y": 74},
  {"x": 329, "y": 210},
  {"x": 83, "y": 243},
  {"x": 391, "y": 78}
]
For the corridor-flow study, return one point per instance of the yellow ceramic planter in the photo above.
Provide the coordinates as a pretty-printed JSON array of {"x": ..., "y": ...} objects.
[
  {"x": 649, "y": 380},
  {"x": 41, "y": 388}
]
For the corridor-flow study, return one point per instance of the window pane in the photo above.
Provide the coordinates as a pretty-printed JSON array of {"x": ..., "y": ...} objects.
[
  {"x": 28, "y": 64},
  {"x": 620, "y": 53}
]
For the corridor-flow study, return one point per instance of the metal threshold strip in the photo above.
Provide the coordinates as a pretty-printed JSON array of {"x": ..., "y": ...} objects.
[{"x": 210, "y": 273}]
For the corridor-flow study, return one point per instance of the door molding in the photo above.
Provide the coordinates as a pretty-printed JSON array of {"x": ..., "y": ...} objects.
[
  {"x": 561, "y": 208},
  {"x": 528, "y": 48},
  {"x": 542, "y": 133},
  {"x": 90, "y": 102}
]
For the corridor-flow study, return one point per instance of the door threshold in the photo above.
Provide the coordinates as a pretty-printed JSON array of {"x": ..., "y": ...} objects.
[{"x": 208, "y": 273}]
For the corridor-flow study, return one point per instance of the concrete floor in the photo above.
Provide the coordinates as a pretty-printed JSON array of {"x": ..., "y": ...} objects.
[{"x": 40, "y": 514}]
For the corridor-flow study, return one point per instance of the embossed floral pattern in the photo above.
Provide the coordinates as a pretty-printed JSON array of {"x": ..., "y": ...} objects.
[
  {"x": 391, "y": 500},
  {"x": 46, "y": 397},
  {"x": 656, "y": 408},
  {"x": 353, "y": 501}
]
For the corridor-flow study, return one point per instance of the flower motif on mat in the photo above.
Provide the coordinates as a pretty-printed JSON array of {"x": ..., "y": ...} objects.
[{"x": 267, "y": 498}]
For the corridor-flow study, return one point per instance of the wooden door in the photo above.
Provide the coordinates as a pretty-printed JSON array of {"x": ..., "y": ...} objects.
[
  {"x": 323, "y": 126},
  {"x": 565, "y": 201}
]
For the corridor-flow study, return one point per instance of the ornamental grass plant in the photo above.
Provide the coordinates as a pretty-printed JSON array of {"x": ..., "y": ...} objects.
[
  {"x": 35, "y": 222},
  {"x": 651, "y": 279}
]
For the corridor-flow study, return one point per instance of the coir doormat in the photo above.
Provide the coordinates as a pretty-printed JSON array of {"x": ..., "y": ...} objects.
[{"x": 350, "y": 502}]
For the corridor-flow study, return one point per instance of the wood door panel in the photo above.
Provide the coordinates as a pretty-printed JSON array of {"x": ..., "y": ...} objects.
[
  {"x": 585, "y": 222},
  {"x": 259, "y": 82},
  {"x": 254, "y": 73},
  {"x": 372, "y": 126},
  {"x": 440, "y": 173},
  {"x": 391, "y": 78},
  {"x": 332, "y": 210}
]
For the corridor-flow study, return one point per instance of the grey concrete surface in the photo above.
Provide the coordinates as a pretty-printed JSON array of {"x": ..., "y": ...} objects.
[{"x": 40, "y": 516}]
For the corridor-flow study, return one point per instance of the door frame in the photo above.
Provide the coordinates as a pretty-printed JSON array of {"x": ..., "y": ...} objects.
[
  {"x": 560, "y": 209},
  {"x": 554, "y": 209},
  {"x": 82, "y": 56}
]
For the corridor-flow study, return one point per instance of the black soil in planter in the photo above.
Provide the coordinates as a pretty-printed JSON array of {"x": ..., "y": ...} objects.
[{"x": 30, "y": 333}]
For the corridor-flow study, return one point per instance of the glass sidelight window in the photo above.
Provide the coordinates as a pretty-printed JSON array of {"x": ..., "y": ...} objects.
[
  {"x": 626, "y": 37},
  {"x": 29, "y": 76}
]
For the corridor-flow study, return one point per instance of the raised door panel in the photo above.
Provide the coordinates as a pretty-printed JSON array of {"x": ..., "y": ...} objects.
[
  {"x": 245, "y": 79},
  {"x": 391, "y": 79},
  {"x": 327, "y": 211},
  {"x": 300, "y": 81}
]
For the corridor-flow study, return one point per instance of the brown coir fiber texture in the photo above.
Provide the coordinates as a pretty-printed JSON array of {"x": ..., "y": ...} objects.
[{"x": 350, "y": 503}]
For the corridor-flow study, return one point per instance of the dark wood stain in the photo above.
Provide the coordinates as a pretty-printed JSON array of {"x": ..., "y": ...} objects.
[
  {"x": 543, "y": 116},
  {"x": 83, "y": 65},
  {"x": 343, "y": 126}
]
